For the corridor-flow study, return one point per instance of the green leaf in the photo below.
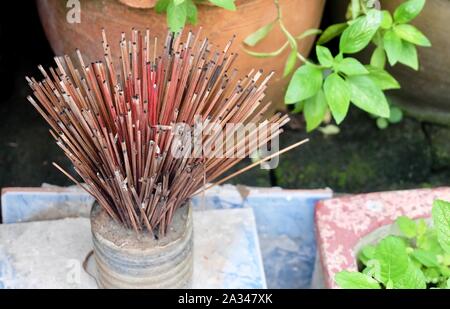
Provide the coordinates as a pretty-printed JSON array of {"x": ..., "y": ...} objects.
[
  {"x": 408, "y": 10},
  {"x": 298, "y": 107},
  {"x": 445, "y": 259},
  {"x": 355, "y": 280},
  {"x": 441, "y": 220},
  {"x": 386, "y": 20},
  {"x": 389, "y": 285},
  {"x": 305, "y": 83},
  {"x": 445, "y": 271},
  {"x": 412, "y": 278},
  {"x": 338, "y": 58},
  {"x": 378, "y": 58},
  {"x": 314, "y": 111},
  {"x": 407, "y": 226},
  {"x": 355, "y": 8},
  {"x": 426, "y": 258},
  {"x": 161, "y": 6},
  {"x": 422, "y": 227},
  {"x": 409, "y": 55},
  {"x": 191, "y": 12},
  {"x": 259, "y": 34},
  {"x": 382, "y": 123},
  {"x": 337, "y": 92},
  {"x": 308, "y": 33},
  {"x": 330, "y": 129},
  {"x": 431, "y": 274},
  {"x": 393, "y": 46},
  {"x": 226, "y": 4},
  {"x": 359, "y": 34},
  {"x": 366, "y": 254},
  {"x": 351, "y": 66},
  {"x": 331, "y": 32},
  {"x": 396, "y": 115},
  {"x": 176, "y": 16},
  {"x": 412, "y": 34},
  {"x": 383, "y": 79},
  {"x": 429, "y": 242},
  {"x": 178, "y": 2},
  {"x": 324, "y": 56},
  {"x": 373, "y": 269},
  {"x": 365, "y": 94},
  {"x": 290, "y": 63},
  {"x": 393, "y": 259}
]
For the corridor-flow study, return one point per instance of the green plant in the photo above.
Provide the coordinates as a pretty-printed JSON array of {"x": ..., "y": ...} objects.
[
  {"x": 329, "y": 86},
  {"x": 418, "y": 259},
  {"x": 180, "y": 12}
]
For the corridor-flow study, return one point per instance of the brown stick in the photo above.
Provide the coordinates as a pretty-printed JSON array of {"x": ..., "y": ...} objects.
[{"x": 249, "y": 167}]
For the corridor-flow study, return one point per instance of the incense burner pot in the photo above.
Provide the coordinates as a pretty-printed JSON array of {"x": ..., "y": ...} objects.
[
  {"x": 128, "y": 260},
  {"x": 217, "y": 24}
]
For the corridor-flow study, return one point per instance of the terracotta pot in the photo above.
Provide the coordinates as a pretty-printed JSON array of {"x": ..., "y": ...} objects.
[
  {"x": 219, "y": 26},
  {"x": 140, "y": 4},
  {"x": 424, "y": 94}
]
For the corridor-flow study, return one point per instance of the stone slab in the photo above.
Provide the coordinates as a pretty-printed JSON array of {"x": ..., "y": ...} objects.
[
  {"x": 50, "y": 254},
  {"x": 284, "y": 220},
  {"x": 48, "y": 203}
]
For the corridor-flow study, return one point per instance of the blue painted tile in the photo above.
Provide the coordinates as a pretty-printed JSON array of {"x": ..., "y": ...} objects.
[
  {"x": 285, "y": 223},
  {"x": 32, "y": 205},
  {"x": 227, "y": 254}
]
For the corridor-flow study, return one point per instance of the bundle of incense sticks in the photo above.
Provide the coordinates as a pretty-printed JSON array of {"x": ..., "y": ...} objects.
[{"x": 116, "y": 121}]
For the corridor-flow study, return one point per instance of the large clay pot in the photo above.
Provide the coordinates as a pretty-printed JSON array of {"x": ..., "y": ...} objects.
[
  {"x": 426, "y": 94},
  {"x": 218, "y": 25}
]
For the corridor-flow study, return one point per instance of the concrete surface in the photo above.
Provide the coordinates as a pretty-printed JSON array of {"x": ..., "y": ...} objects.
[
  {"x": 50, "y": 254},
  {"x": 284, "y": 220}
]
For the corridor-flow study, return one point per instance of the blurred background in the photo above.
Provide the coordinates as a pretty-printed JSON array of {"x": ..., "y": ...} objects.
[{"x": 362, "y": 158}]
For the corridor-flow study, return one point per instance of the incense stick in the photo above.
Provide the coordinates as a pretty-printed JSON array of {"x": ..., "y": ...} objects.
[
  {"x": 253, "y": 165},
  {"x": 128, "y": 123}
]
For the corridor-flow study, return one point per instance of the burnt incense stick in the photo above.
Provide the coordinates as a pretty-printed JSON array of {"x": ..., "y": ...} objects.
[{"x": 146, "y": 132}]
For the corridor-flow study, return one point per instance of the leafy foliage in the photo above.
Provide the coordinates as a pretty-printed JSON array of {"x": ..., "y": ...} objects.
[
  {"x": 344, "y": 79},
  {"x": 180, "y": 12},
  {"x": 418, "y": 259}
]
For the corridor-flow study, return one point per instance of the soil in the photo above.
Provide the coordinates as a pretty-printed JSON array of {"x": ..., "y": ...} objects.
[{"x": 103, "y": 226}]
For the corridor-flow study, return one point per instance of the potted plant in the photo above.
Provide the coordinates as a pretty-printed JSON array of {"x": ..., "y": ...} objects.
[
  {"x": 424, "y": 94},
  {"x": 219, "y": 21},
  {"x": 324, "y": 90},
  {"x": 418, "y": 257},
  {"x": 373, "y": 232}
]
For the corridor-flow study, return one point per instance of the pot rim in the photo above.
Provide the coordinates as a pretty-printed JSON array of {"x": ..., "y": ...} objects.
[{"x": 145, "y": 244}]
